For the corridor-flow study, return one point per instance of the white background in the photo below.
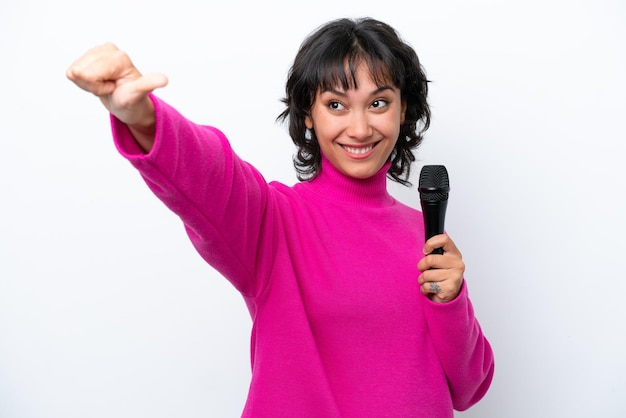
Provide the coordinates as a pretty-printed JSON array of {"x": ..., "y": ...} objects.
[{"x": 107, "y": 311}]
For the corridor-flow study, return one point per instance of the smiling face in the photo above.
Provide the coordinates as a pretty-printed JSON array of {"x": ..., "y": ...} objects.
[{"x": 357, "y": 128}]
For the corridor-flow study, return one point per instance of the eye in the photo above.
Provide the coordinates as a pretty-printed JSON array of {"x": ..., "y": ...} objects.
[
  {"x": 335, "y": 105},
  {"x": 379, "y": 103}
]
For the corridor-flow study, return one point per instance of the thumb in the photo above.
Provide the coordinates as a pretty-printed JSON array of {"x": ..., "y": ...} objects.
[
  {"x": 133, "y": 91},
  {"x": 128, "y": 99},
  {"x": 149, "y": 82}
]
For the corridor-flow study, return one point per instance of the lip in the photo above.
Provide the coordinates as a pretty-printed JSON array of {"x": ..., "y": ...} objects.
[{"x": 359, "y": 151}]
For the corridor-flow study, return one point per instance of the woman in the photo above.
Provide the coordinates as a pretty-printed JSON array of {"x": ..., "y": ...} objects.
[{"x": 352, "y": 315}]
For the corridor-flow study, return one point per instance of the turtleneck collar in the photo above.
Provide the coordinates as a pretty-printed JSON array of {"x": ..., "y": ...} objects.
[{"x": 332, "y": 184}]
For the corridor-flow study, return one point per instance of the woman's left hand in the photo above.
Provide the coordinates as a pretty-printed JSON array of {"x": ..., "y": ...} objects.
[{"x": 441, "y": 275}]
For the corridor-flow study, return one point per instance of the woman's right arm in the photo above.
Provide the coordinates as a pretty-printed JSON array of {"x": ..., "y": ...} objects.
[
  {"x": 221, "y": 199},
  {"x": 108, "y": 73}
]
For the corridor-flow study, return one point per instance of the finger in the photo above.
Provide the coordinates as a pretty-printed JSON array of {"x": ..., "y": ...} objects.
[
  {"x": 86, "y": 79},
  {"x": 128, "y": 92},
  {"x": 440, "y": 241},
  {"x": 150, "y": 82},
  {"x": 436, "y": 275},
  {"x": 446, "y": 262},
  {"x": 434, "y": 242},
  {"x": 101, "y": 68},
  {"x": 134, "y": 92},
  {"x": 431, "y": 287},
  {"x": 441, "y": 291}
]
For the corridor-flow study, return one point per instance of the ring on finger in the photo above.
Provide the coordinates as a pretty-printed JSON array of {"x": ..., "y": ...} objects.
[{"x": 434, "y": 287}]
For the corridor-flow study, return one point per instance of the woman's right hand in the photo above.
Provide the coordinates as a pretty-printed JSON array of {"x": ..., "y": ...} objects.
[{"x": 108, "y": 73}]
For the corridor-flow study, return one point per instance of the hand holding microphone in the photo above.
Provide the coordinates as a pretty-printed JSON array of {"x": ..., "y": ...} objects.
[{"x": 442, "y": 267}]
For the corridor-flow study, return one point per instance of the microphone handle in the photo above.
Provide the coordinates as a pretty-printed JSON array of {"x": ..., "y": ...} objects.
[{"x": 434, "y": 219}]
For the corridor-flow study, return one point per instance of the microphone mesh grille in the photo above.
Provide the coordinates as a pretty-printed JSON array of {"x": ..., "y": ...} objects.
[{"x": 434, "y": 183}]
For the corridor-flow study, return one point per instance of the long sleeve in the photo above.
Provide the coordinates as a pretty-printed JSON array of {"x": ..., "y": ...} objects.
[
  {"x": 220, "y": 198},
  {"x": 464, "y": 352}
]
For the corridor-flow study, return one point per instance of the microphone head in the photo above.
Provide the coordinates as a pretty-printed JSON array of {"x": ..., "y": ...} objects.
[{"x": 434, "y": 184}]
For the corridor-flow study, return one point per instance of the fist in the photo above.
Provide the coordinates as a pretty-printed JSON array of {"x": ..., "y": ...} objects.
[
  {"x": 108, "y": 73},
  {"x": 441, "y": 275}
]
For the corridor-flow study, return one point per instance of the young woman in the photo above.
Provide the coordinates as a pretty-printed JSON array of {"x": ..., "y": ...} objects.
[{"x": 352, "y": 315}]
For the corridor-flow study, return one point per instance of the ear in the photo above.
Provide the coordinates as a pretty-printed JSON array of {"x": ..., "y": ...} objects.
[
  {"x": 308, "y": 122},
  {"x": 402, "y": 112}
]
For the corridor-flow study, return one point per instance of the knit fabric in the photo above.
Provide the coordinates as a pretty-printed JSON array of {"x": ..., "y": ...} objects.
[{"x": 327, "y": 269}]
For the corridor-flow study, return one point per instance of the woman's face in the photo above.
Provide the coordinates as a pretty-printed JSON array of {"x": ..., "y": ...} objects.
[{"x": 357, "y": 129}]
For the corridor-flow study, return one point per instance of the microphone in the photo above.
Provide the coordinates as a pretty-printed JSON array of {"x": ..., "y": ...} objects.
[{"x": 433, "y": 188}]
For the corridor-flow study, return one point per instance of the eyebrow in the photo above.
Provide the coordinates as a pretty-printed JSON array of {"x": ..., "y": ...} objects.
[{"x": 343, "y": 93}]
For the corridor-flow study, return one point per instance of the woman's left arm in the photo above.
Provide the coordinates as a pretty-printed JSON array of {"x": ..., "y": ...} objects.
[{"x": 465, "y": 354}]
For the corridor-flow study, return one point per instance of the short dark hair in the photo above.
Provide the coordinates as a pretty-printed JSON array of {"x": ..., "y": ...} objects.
[{"x": 320, "y": 63}]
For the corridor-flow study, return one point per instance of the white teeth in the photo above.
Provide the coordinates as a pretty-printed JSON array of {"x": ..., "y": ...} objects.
[{"x": 358, "y": 151}]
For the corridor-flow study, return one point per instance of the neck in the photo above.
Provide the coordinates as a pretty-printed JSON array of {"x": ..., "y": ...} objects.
[{"x": 334, "y": 185}]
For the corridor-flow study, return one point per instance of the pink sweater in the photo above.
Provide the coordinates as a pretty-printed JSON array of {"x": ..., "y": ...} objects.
[{"x": 327, "y": 269}]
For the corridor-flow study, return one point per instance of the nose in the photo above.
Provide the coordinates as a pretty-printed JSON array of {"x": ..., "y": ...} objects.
[{"x": 359, "y": 127}]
